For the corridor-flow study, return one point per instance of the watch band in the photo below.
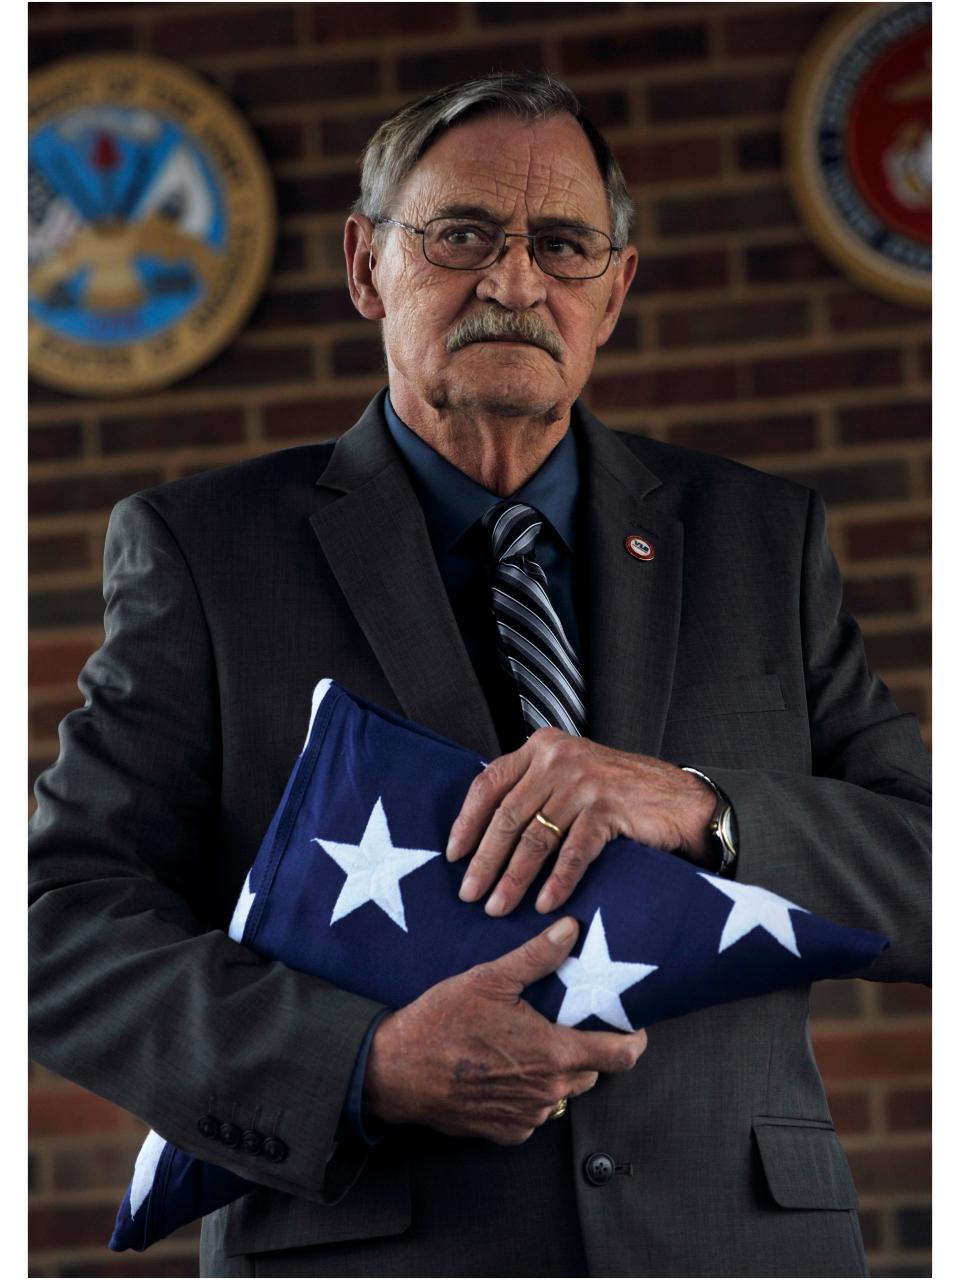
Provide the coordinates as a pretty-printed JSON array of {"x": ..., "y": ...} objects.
[{"x": 723, "y": 824}]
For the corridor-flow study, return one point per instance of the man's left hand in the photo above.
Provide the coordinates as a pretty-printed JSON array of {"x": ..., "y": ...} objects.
[{"x": 593, "y": 794}]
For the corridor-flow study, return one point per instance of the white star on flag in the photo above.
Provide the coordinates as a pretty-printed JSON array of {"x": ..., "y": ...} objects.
[
  {"x": 595, "y": 983},
  {"x": 374, "y": 868},
  {"x": 755, "y": 908}
]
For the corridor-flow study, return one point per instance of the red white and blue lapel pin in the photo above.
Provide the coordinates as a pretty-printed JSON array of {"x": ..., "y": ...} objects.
[{"x": 639, "y": 547}]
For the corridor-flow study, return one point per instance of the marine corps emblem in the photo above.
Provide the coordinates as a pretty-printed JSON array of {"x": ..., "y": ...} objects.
[
  {"x": 859, "y": 146},
  {"x": 151, "y": 223}
]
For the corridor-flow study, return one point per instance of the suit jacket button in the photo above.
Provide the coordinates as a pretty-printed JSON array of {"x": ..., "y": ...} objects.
[
  {"x": 209, "y": 1126},
  {"x": 598, "y": 1168},
  {"x": 274, "y": 1149},
  {"x": 230, "y": 1134},
  {"x": 252, "y": 1141}
]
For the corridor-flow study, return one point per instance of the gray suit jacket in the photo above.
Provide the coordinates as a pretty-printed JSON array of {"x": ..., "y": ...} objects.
[{"x": 228, "y": 595}]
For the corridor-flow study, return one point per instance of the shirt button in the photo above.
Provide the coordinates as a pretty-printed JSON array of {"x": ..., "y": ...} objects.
[{"x": 598, "y": 1168}]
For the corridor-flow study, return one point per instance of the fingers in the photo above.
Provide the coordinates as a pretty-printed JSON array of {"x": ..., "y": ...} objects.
[
  {"x": 528, "y": 1119},
  {"x": 517, "y": 838},
  {"x": 555, "y": 775},
  {"x": 583, "y": 1082},
  {"x": 499, "y": 812},
  {"x": 538, "y": 956},
  {"x": 486, "y": 791},
  {"x": 583, "y": 843},
  {"x": 604, "y": 1050},
  {"x": 575, "y": 851},
  {"x": 572, "y": 1086}
]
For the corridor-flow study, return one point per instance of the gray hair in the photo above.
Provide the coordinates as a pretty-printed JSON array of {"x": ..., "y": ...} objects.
[{"x": 402, "y": 139}]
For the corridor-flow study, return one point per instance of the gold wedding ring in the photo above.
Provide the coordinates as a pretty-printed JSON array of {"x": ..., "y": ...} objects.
[
  {"x": 545, "y": 822},
  {"x": 559, "y": 1110}
]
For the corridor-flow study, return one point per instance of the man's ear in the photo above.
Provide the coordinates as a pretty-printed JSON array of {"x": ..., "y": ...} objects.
[
  {"x": 623, "y": 279},
  {"x": 361, "y": 257}
]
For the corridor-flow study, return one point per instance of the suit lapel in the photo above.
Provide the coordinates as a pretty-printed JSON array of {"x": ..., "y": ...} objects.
[
  {"x": 634, "y": 605},
  {"x": 371, "y": 529}
]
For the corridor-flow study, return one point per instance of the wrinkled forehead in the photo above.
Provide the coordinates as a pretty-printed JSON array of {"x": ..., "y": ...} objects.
[{"x": 543, "y": 170}]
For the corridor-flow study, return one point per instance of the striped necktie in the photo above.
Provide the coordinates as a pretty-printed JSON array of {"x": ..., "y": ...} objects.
[{"x": 533, "y": 646}]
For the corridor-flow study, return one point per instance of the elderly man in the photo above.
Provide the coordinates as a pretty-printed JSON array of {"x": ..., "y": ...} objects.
[{"x": 643, "y": 640}]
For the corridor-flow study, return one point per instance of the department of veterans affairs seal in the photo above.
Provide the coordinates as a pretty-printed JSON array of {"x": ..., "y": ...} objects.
[
  {"x": 152, "y": 223},
  {"x": 859, "y": 146}
]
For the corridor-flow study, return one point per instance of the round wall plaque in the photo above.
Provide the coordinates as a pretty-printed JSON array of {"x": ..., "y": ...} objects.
[
  {"x": 859, "y": 146},
  {"x": 151, "y": 223}
]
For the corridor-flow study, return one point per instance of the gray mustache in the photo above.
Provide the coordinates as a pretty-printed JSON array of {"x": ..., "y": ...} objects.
[{"x": 525, "y": 325}]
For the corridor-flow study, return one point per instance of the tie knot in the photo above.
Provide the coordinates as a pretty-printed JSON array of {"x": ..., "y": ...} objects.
[{"x": 512, "y": 528}]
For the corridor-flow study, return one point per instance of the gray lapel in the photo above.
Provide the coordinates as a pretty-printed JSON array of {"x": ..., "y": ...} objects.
[
  {"x": 373, "y": 534},
  {"x": 634, "y": 605}
]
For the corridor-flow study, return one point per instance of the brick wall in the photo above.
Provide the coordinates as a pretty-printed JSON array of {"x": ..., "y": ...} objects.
[{"x": 739, "y": 337}]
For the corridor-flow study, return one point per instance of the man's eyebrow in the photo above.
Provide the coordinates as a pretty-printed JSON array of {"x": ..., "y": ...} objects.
[{"x": 456, "y": 210}]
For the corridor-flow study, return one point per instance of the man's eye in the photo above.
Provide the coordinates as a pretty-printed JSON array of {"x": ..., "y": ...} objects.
[
  {"x": 560, "y": 246},
  {"x": 465, "y": 234}
]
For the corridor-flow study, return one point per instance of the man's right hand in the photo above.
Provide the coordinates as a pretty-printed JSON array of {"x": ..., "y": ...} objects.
[{"x": 471, "y": 1058}]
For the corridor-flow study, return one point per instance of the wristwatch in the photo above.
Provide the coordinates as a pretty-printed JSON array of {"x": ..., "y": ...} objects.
[{"x": 723, "y": 825}]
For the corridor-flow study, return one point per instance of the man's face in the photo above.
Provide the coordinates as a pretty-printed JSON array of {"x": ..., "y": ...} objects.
[{"x": 522, "y": 176}]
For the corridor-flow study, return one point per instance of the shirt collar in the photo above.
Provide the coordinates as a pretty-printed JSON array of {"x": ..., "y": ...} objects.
[{"x": 452, "y": 502}]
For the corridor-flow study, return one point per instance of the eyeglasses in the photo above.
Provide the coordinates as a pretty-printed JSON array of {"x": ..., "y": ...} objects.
[{"x": 462, "y": 244}]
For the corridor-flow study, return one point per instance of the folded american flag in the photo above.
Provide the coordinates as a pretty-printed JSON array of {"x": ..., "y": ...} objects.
[{"x": 350, "y": 884}]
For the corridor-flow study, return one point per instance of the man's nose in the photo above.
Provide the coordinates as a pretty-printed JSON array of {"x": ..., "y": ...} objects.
[{"x": 514, "y": 280}]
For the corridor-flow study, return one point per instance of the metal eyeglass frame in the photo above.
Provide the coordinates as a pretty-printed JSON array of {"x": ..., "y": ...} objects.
[{"x": 507, "y": 235}]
